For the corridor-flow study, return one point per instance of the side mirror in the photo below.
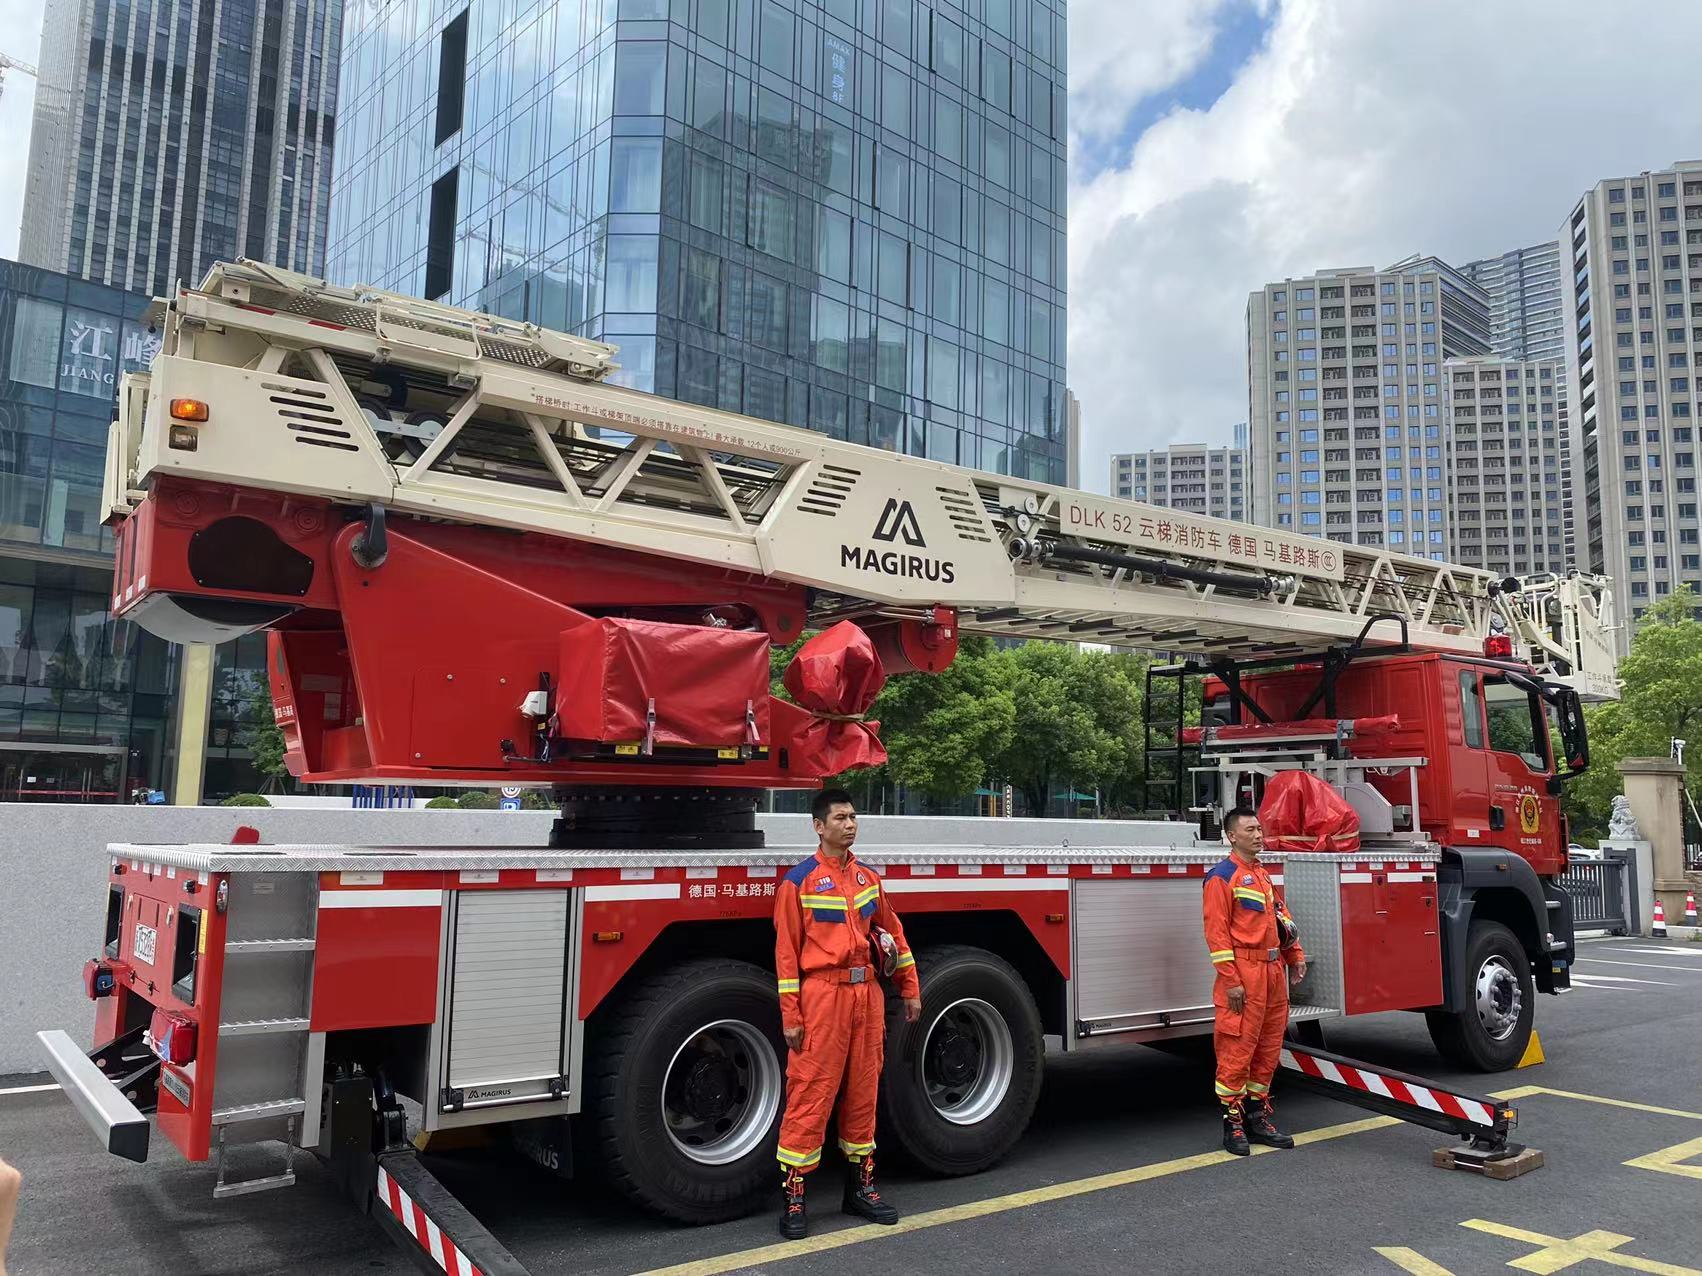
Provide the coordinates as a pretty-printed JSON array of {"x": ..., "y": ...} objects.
[{"x": 1574, "y": 738}]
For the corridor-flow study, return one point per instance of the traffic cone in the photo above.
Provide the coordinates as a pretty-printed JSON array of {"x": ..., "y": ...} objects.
[
  {"x": 1658, "y": 928},
  {"x": 1690, "y": 908}
]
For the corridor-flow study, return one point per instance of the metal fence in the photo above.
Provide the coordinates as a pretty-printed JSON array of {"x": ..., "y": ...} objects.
[{"x": 1601, "y": 894}]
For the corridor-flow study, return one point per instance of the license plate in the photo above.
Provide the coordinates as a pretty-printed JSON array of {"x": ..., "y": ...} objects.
[{"x": 146, "y": 938}]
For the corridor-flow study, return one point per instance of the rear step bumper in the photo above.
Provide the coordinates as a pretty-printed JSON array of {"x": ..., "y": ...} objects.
[{"x": 118, "y": 1122}]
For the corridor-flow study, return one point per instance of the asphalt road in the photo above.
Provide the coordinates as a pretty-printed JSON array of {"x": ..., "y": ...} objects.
[{"x": 1351, "y": 1199}]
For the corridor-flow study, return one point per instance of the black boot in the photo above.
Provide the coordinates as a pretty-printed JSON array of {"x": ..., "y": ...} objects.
[
  {"x": 1235, "y": 1133},
  {"x": 794, "y": 1226},
  {"x": 862, "y": 1199},
  {"x": 1260, "y": 1127}
]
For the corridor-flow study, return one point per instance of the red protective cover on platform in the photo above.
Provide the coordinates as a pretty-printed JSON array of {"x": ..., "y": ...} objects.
[
  {"x": 1303, "y": 813},
  {"x": 702, "y": 680},
  {"x": 837, "y": 673}
]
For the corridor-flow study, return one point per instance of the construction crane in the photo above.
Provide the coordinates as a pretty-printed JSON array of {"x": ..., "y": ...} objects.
[{"x": 10, "y": 63}]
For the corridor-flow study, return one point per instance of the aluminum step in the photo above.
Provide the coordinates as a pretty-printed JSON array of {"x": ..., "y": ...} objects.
[
  {"x": 303, "y": 945},
  {"x": 256, "y": 1027},
  {"x": 258, "y": 1111}
]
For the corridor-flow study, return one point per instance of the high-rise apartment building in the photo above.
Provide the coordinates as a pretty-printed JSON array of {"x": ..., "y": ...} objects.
[
  {"x": 170, "y": 134},
  {"x": 1505, "y": 464},
  {"x": 1633, "y": 349},
  {"x": 842, "y": 214},
  {"x": 1195, "y": 477},
  {"x": 1527, "y": 309},
  {"x": 1346, "y": 407}
]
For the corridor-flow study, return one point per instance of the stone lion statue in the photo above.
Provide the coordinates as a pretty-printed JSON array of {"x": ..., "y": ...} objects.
[{"x": 1621, "y": 824}]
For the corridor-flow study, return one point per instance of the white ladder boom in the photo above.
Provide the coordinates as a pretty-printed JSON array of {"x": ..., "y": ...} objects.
[{"x": 362, "y": 396}]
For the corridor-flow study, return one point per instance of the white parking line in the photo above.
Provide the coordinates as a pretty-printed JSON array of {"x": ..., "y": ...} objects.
[
  {"x": 1621, "y": 979},
  {"x": 1641, "y": 965},
  {"x": 29, "y": 1089},
  {"x": 1658, "y": 952}
]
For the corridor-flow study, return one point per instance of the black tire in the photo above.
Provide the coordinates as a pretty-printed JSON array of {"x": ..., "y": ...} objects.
[
  {"x": 1496, "y": 970},
  {"x": 629, "y": 1097},
  {"x": 973, "y": 985}
]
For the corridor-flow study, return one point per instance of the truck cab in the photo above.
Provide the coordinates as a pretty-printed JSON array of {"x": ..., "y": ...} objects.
[{"x": 1476, "y": 751}]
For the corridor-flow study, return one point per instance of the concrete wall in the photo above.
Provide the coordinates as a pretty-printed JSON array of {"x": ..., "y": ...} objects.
[{"x": 53, "y": 872}]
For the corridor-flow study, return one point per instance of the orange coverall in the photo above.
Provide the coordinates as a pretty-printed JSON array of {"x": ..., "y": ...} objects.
[
  {"x": 1241, "y": 909},
  {"x": 822, "y": 915}
]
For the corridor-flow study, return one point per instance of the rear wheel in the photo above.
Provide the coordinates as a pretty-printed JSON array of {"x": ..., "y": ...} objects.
[
  {"x": 1492, "y": 1030},
  {"x": 960, "y": 1084},
  {"x": 684, "y": 1090}
]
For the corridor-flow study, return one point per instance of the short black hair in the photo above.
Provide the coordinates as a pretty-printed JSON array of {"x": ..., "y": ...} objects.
[
  {"x": 826, "y": 800},
  {"x": 1236, "y": 816}
]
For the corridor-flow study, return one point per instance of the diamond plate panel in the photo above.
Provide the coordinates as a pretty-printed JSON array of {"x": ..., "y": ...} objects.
[{"x": 1312, "y": 887}]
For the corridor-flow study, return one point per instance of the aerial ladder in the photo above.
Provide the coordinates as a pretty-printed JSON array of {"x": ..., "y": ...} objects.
[{"x": 394, "y": 426}]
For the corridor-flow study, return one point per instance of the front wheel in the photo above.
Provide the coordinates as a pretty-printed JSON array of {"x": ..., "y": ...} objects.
[
  {"x": 1490, "y": 1034},
  {"x": 684, "y": 1087},
  {"x": 960, "y": 1085}
]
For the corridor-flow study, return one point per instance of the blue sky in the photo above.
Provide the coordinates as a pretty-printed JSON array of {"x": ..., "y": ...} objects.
[{"x": 1236, "y": 31}]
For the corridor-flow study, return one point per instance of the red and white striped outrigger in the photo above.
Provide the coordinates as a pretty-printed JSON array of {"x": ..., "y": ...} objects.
[{"x": 1482, "y": 1122}]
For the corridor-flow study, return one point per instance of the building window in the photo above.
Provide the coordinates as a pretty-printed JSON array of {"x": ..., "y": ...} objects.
[
  {"x": 440, "y": 233},
  {"x": 451, "y": 77}
]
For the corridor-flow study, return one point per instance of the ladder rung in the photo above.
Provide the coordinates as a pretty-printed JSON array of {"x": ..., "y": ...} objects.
[
  {"x": 258, "y": 1111},
  {"x": 255, "y": 1027},
  {"x": 302, "y": 945}
]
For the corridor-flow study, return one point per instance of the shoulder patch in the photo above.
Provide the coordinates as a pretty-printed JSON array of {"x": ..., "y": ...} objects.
[
  {"x": 1223, "y": 870},
  {"x": 800, "y": 873}
]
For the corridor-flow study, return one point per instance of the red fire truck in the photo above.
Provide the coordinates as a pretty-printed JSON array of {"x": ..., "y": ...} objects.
[{"x": 479, "y": 562}]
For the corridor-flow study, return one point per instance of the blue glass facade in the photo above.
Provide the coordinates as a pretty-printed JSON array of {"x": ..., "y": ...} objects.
[
  {"x": 842, "y": 214},
  {"x": 87, "y": 702}
]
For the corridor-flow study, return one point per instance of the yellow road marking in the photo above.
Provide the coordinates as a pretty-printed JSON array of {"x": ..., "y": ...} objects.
[
  {"x": 1410, "y": 1260},
  {"x": 781, "y": 1251},
  {"x": 993, "y": 1205},
  {"x": 1526, "y": 1091},
  {"x": 1557, "y": 1253},
  {"x": 1666, "y": 1161}
]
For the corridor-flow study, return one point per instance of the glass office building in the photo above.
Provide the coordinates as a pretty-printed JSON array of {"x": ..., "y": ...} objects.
[
  {"x": 87, "y": 707},
  {"x": 170, "y": 134},
  {"x": 842, "y": 214}
]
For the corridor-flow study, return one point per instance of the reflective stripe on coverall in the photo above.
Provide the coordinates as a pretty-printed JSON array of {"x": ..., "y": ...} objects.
[
  {"x": 1240, "y": 909},
  {"x": 822, "y": 915}
]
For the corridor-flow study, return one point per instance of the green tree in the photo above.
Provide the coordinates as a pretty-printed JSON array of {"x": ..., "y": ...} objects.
[
  {"x": 1078, "y": 719},
  {"x": 1661, "y": 699},
  {"x": 945, "y": 732},
  {"x": 261, "y": 736}
]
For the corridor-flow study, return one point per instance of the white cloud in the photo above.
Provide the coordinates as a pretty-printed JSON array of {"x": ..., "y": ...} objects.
[
  {"x": 1361, "y": 132},
  {"x": 1122, "y": 53},
  {"x": 20, "y": 36}
]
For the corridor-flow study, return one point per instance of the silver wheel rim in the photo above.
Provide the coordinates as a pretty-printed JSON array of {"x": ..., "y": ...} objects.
[
  {"x": 721, "y": 1092},
  {"x": 1500, "y": 998},
  {"x": 967, "y": 1061}
]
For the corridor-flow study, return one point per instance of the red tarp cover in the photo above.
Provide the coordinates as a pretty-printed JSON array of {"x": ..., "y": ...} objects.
[
  {"x": 701, "y": 679},
  {"x": 837, "y": 673},
  {"x": 1302, "y": 813}
]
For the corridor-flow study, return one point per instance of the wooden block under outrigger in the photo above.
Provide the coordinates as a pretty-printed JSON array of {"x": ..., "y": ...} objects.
[{"x": 1506, "y": 1167}]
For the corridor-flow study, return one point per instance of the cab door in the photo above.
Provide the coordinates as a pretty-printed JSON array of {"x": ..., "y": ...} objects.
[
  {"x": 1523, "y": 816},
  {"x": 1467, "y": 793}
]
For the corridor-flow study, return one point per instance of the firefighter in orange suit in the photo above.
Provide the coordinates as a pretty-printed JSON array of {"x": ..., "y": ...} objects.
[
  {"x": 1256, "y": 951},
  {"x": 833, "y": 1010}
]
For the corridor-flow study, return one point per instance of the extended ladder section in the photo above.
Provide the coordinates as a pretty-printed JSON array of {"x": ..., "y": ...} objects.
[{"x": 370, "y": 398}]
